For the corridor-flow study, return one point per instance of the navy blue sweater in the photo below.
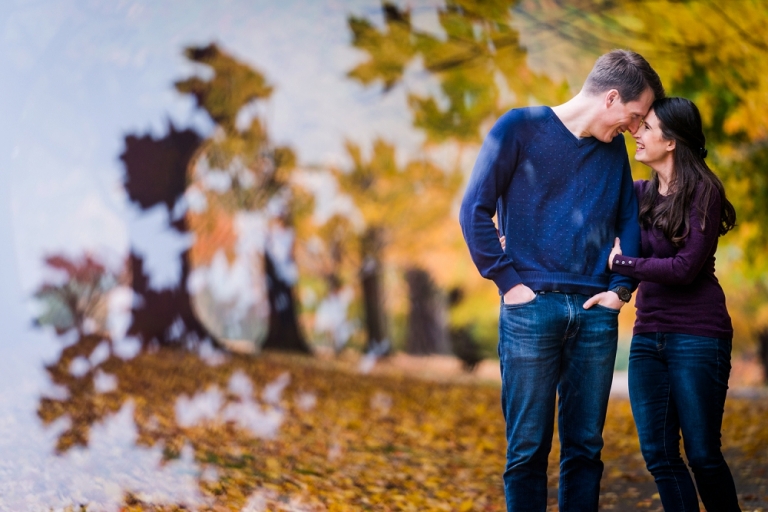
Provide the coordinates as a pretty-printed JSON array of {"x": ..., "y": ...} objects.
[{"x": 560, "y": 201}]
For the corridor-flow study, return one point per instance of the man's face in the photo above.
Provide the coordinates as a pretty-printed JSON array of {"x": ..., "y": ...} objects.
[{"x": 619, "y": 117}]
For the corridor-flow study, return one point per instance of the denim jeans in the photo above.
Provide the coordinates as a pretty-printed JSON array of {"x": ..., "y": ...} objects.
[
  {"x": 678, "y": 382},
  {"x": 553, "y": 346}
]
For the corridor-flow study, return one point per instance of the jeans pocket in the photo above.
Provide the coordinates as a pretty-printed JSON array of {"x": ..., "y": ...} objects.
[
  {"x": 606, "y": 308},
  {"x": 521, "y": 304}
]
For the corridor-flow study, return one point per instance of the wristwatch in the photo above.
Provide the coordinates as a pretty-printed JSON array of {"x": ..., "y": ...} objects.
[{"x": 623, "y": 293}]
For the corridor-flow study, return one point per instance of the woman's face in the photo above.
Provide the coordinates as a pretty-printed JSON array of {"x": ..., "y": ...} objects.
[{"x": 652, "y": 148}]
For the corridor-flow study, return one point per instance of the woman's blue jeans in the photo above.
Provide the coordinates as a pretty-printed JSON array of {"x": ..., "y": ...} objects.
[
  {"x": 553, "y": 346},
  {"x": 678, "y": 382}
]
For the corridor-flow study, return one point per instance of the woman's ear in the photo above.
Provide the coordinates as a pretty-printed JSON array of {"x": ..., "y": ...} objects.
[{"x": 671, "y": 144}]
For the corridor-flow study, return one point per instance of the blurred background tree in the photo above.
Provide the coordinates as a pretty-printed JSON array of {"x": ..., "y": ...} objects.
[
  {"x": 155, "y": 180},
  {"x": 402, "y": 210},
  {"x": 240, "y": 209}
]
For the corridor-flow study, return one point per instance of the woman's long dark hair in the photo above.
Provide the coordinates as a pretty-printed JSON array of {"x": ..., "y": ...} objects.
[{"x": 679, "y": 119}]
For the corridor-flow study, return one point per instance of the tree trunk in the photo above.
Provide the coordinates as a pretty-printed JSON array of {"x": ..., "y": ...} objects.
[
  {"x": 164, "y": 316},
  {"x": 373, "y": 300},
  {"x": 463, "y": 343},
  {"x": 284, "y": 333},
  {"x": 156, "y": 173},
  {"x": 762, "y": 351},
  {"x": 427, "y": 317}
]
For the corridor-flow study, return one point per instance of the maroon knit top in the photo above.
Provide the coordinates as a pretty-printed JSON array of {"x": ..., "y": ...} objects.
[{"x": 678, "y": 291}]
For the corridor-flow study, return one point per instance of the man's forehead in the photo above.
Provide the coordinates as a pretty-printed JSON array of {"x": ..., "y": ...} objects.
[
  {"x": 642, "y": 110},
  {"x": 642, "y": 105},
  {"x": 646, "y": 101}
]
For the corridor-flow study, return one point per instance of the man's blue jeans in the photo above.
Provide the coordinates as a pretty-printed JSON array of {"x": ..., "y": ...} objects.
[
  {"x": 552, "y": 345},
  {"x": 679, "y": 382}
]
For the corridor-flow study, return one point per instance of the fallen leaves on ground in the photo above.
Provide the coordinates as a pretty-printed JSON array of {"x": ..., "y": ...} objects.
[{"x": 284, "y": 432}]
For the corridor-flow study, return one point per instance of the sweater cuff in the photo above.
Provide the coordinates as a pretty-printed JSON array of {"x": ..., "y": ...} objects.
[
  {"x": 624, "y": 264},
  {"x": 507, "y": 281}
]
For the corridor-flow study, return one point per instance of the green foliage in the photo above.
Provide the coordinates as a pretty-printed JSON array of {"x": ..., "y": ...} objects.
[
  {"x": 481, "y": 67},
  {"x": 391, "y": 51},
  {"x": 232, "y": 86},
  {"x": 403, "y": 202},
  {"x": 257, "y": 168}
]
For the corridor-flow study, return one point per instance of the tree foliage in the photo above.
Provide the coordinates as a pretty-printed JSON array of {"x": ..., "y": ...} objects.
[
  {"x": 232, "y": 86},
  {"x": 487, "y": 57},
  {"x": 401, "y": 209},
  {"x": 240, "y": 170},
  {"x": 478, "y": 61},
  {"x": 76, "y": 297}
]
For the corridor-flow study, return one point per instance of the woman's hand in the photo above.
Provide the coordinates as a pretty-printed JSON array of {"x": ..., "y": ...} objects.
[
  {"x": 616, "y": 250},
  {"x": 503, "y": 241}
]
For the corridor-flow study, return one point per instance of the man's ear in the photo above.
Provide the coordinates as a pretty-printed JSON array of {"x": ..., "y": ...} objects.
[{"x": 612, "y": 97}]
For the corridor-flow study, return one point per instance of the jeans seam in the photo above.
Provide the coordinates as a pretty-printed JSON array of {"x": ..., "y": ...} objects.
[{"x": 563, "y": 455}]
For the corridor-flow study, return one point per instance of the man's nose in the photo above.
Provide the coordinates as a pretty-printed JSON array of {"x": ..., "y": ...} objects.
[{"x": 634, "y": 125}]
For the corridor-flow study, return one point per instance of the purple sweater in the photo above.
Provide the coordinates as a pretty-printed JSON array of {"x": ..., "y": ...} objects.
[{"x": 678, "y": 291}]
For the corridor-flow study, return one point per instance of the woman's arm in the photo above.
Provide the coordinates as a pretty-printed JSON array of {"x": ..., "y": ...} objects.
[{"x": 683, "y": 267}]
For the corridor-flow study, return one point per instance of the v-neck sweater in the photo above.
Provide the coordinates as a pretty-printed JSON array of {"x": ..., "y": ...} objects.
[
  {"x": 679, "y": 291},
  {"x": 560, "y": 201}
]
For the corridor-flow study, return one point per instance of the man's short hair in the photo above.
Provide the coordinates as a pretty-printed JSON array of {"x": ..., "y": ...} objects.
[{"x": 627, "y": 72}]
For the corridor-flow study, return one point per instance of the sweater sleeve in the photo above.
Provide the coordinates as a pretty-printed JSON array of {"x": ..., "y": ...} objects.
[
  {"x": 685, "y": 265},
  {"x": 627, "y": 229},
  {"x": 490, "y": 177}
]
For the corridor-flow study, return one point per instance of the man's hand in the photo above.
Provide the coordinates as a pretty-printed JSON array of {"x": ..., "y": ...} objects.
[
  {"x": 606, "y": 299},
  {"x": 616, "y": 250},
  {"x": 519, "y": 294}
]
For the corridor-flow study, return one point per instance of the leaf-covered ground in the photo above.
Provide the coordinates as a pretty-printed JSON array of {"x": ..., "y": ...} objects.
[{"x": 279, "y": 432}]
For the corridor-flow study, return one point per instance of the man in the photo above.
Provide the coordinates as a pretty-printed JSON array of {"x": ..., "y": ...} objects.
[{"x": 559, "y": 181}]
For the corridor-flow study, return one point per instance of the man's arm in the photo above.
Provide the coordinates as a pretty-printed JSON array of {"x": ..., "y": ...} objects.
[
  {"x": 626, "y": 225},
  {"x": 490, "y": 178},
  {"x": 627, "y": 228}
]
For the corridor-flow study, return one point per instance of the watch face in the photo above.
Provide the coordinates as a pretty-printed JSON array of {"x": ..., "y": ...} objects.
[{"x": 623, "y": 293}]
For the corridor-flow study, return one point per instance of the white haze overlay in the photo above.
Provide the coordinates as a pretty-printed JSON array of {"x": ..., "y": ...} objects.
[
  {"x": 36, "y": 479},
  {"x": 231, "y": 297},
  {"x": 94, "y": 79},
  {"x": 159, "y": 246},
  {"x": 262, "y": 421},
  {"x": 331, "y": 318},
  {"x": 78, "y": 78}
]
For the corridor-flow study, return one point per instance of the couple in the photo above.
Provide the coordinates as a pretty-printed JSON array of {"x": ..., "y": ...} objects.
[{"x": 578, "y": 235}]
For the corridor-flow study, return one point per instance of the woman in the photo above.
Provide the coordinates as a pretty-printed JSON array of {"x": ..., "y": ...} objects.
[{"x": 680, "y": 355}]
